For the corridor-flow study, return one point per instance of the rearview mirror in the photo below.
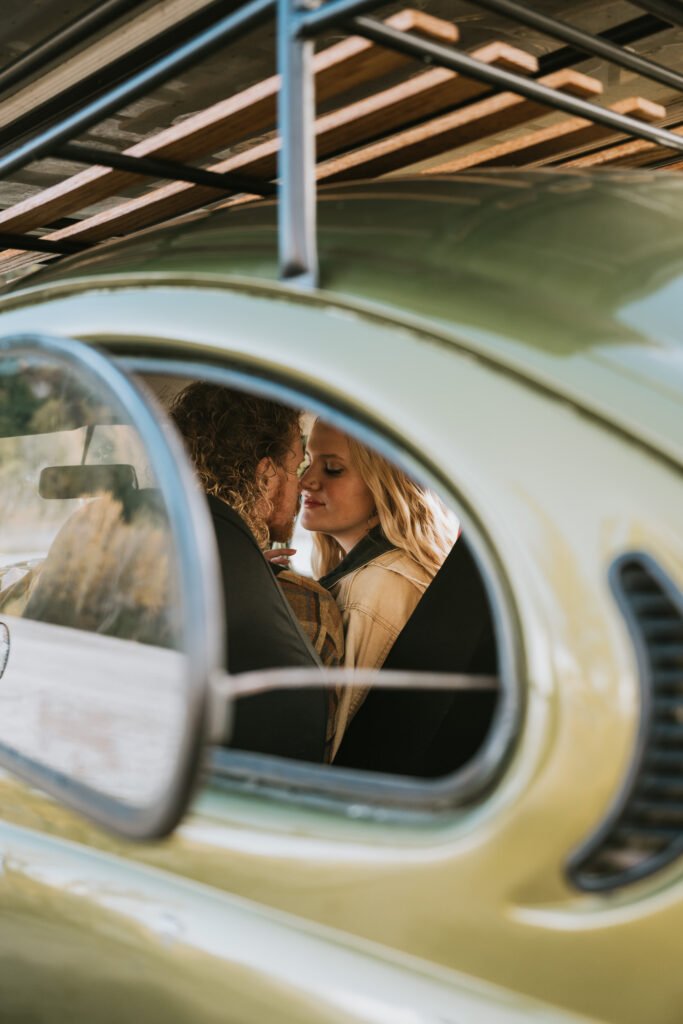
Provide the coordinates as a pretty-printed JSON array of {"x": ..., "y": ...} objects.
[{"x": 85, "y": 481}]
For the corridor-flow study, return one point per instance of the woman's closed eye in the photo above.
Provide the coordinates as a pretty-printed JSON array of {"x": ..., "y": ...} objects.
[{"x": 334, "y": 470}]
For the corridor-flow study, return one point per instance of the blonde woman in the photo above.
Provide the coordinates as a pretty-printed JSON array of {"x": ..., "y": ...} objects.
[{"x": 379, "y": 540}]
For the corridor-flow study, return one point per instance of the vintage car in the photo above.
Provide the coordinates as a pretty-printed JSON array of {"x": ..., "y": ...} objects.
[{"x": 513, "y": 341}]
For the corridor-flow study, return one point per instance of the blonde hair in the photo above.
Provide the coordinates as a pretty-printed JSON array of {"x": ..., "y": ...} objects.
[{"x": 412, "y": 518}]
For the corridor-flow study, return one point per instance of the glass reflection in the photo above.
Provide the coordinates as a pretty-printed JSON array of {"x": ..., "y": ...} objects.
[{"x": 89, "y": 590}]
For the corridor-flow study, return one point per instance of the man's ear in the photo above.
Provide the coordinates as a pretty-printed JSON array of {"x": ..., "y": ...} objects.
[
  {"x": 267, "y": 470},
  {"x": 266, "y": 467}
]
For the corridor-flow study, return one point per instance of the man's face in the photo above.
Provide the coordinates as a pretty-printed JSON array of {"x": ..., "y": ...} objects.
[{"x": 284, "y": 493}]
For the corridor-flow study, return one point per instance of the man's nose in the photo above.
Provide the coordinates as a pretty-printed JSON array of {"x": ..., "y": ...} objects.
[{"x": 308, "y": 480}]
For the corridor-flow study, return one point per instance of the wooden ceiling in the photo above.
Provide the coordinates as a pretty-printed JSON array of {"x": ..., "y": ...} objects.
[{"x": 379, "y": 113}]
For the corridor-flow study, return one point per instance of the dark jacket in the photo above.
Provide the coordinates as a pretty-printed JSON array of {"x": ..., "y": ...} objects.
[{"x": 263, "y": 632}]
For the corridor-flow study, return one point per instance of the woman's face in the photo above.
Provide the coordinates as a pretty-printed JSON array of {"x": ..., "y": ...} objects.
[{"x": 335, "y": 499}]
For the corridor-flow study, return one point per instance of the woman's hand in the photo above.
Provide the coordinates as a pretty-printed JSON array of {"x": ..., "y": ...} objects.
[{"x": 280, "y": 556}]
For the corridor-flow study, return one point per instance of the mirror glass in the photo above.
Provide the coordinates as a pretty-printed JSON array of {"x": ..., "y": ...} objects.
[{"x": 94, "y": 690}]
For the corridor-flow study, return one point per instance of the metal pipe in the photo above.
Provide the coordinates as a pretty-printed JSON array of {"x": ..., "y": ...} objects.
[
  {"x": 621, "y": 35},
  {"x": 584, "y": 41},
  {"x": 670, "y": 10},
  {"x": 447, "y": 57},
  {"x": 296, "y": 159},
  {"x": 63, "y": 40},
  {"x": 233, "y": 25},
  {"x": 310, "y": 22},
  {"x": 32, "y": 243},
  {"x": 22, "y": 127},
  {"x": 157, "y": 168}
]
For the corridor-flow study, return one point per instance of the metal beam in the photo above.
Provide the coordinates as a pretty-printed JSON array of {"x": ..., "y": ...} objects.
[
  {"x": 157, "y": 168},
  {"x": 32, "y": 243},
  {"x": 296, "y": 160},
  {"x": 595, "y": 45},
  {"x": 230, "y": 27},
  {"x": 311, "y": 22},
  {"x": 57, "y": 45},
  {"x": 622, "y": 35},
  {"x": 670, "y": 10},
  {"x": 448, "y": 57},
  {"x": 23, "y": 114}
]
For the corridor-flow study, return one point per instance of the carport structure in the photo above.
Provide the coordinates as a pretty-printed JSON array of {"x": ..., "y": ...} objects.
[{"x": 122, "y": 116}]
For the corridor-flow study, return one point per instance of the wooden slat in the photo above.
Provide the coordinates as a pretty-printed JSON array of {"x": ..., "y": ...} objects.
[
  {"x": 337, "y": 130},
  {"x": 459, "y": 128},
  {"x": 112, "y": 47},
  {"x": 551, "y": 142},
  {"x": 637, "y": 153},
  {"x": 343, "y": 66},
  {"x": 417, "y": 99}
]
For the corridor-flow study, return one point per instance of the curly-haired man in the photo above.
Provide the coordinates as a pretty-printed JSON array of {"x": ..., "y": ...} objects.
[{"x": 246, "y": 451}]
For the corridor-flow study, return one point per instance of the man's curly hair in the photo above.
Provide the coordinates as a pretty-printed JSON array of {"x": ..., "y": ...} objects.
[{"x": 227, "y": 434}]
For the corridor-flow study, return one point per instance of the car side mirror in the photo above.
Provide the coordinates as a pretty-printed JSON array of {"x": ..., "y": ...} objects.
[{"x": 110, "y": 618}]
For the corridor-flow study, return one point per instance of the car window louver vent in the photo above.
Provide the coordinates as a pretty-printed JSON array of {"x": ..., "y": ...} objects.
[{"x": 644, "y": 831}]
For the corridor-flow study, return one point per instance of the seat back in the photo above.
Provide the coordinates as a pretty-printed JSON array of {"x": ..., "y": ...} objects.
[{"x": 432, "y": 732}]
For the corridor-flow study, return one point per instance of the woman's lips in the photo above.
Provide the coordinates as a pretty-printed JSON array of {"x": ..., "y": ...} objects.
[{"x": 312, "y": 503}]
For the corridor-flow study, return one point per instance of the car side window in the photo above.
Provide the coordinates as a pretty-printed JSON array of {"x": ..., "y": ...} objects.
[
  {"x": 75, "y": 505},
  {"x": 411, "y": 662}
]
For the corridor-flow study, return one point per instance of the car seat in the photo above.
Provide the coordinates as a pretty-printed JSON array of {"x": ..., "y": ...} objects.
[{"x": 425, "y": 732}]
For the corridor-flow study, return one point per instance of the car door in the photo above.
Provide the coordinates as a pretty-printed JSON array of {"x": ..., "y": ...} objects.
[{"x": 89, "y": 932}]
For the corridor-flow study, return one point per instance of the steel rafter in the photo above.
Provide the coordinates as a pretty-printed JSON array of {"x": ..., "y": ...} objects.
[
  {"x": 158, "y": 168},
  {"x": 598, "y": 47}
]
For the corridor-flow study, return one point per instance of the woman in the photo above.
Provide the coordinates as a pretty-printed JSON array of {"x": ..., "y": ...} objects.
[{"x": 379, "y": 540}]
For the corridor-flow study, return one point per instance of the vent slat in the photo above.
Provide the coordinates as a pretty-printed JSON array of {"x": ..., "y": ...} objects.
[
  {"x": 666, "y": 653},
  {"x": 668, "y": 703},
  {"x": 649, "y": 604},
  {"x": 662, "y": 787},
  {"x": 647, "y": 827},
  {"x": 664, "y": 810},
  {"x": 667, "y": 678},
  {"x": 666, "y": 734},
  {"x": 648, "y": 832},
  {"x": 669, "y": 629},
  {"x": 664, "y": 758}
]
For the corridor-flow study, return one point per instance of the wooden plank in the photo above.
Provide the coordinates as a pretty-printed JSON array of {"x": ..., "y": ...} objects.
[
  {"x": 343, "y": 66},
  {"x": 337, "y": 130},
  {"x": 637, "y": 153},
  {"x": 477, "y": 121},
  {"x": 417, "y": 99},
  {"x": 114, "y": 46},
  {"x": 549, "y": 143}
]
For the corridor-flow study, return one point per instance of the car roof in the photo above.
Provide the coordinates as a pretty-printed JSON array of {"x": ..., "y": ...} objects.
[{"x": 572, "y": 280}]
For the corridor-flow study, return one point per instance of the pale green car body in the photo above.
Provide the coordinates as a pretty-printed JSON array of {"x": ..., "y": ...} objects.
[{"x": 519, "y": 337}]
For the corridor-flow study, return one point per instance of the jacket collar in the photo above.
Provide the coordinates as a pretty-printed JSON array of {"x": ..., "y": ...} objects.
[{"x": 368, "y": 547}]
